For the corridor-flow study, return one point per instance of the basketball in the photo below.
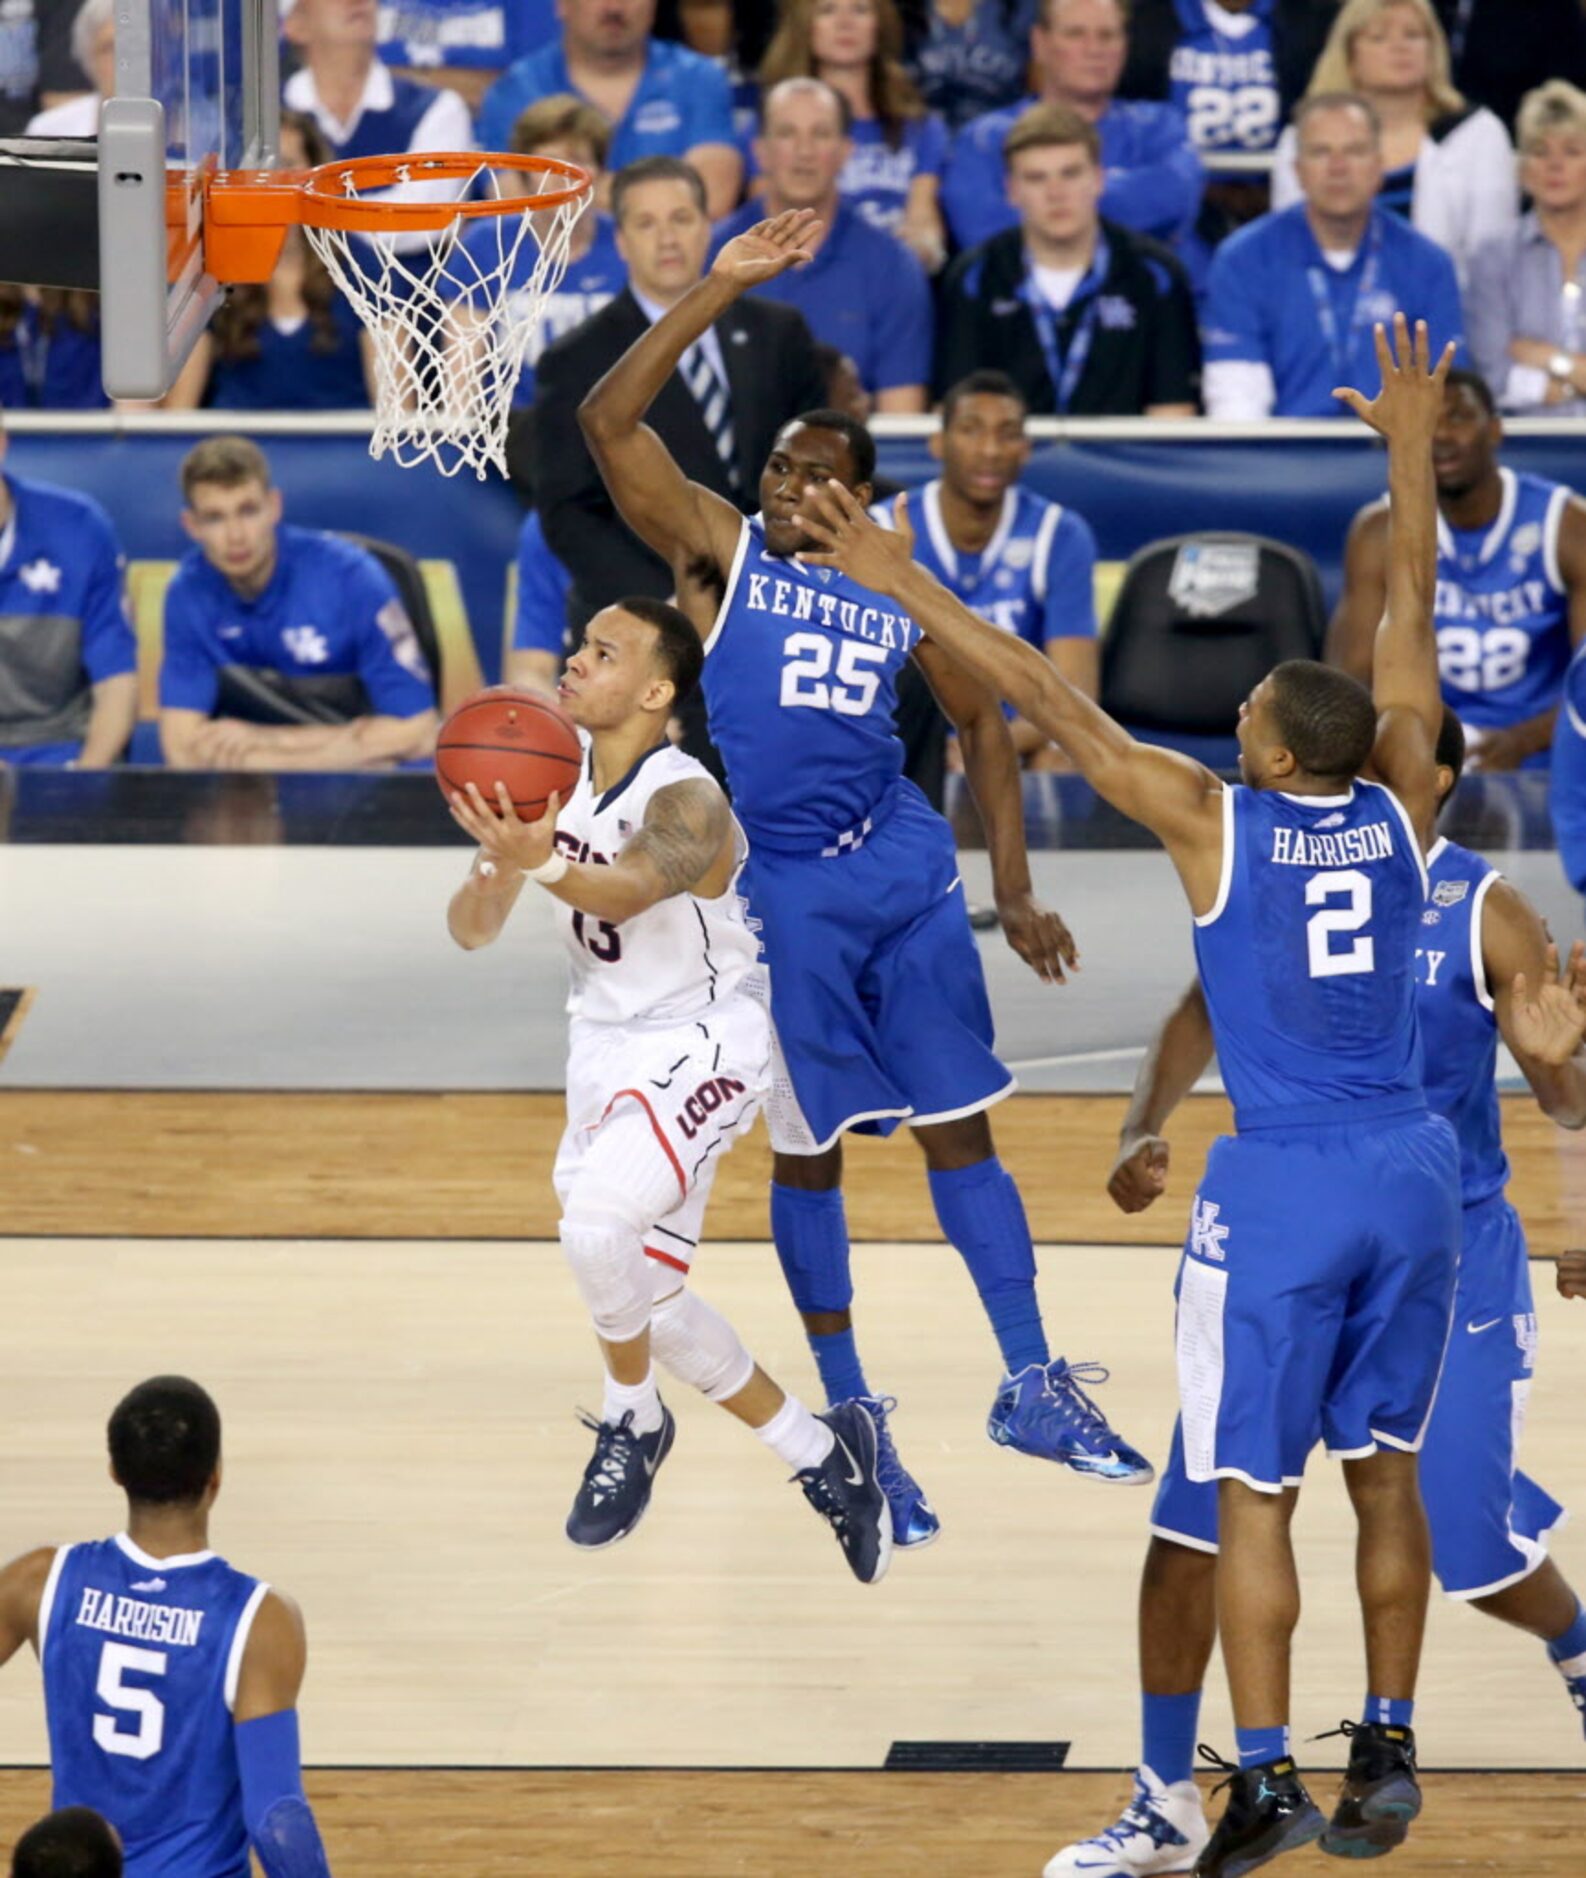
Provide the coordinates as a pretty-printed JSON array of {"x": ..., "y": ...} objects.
[{"x": 510, "y": 736}]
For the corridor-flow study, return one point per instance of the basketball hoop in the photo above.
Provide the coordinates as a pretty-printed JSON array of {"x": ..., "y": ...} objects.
[{"x": 431, "y": 280}]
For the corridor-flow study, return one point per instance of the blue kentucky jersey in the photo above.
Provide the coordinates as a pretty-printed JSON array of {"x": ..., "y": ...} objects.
[
  {"x": 1459, "y": 1031},
  {"x": 1568, "y": 793},
  {"x": 141, "y": 1658},
  {"x": 801, "y": 674},
  {"x": 1034, "y": 578},
  {"x": 1502, "y": 609},
  {"x": 1223, "y": 75},
  {"x": 1308, "y": 956}
]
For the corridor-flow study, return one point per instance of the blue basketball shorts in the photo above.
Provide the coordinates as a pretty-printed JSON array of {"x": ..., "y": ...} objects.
[
  {"x": 1315, "y": 1293},
  {"x": 878, "y": 996},
  {"x": 1490, "y": 1521}
]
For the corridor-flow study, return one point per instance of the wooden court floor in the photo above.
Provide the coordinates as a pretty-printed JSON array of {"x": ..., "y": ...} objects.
[{"x": 477, "y": 1824}]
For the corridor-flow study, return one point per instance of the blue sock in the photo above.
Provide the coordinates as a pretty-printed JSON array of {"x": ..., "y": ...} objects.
[
  {"x": 1573, "y": 1642},
  {"x": 1257, "y": 1745},
  {"x": 1389, "y": 1713},
  {"x": 979, "y": 1210},
  {"x": 811, "y": 1234},
  {"x": 1168, "y": 1726}
]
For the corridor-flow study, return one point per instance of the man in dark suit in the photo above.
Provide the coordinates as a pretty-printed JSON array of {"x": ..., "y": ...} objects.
[{"x": 717, "y": 415}]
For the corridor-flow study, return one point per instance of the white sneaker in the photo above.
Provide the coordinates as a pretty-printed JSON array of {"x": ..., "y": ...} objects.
[{"x": 1163, "y": 1829}]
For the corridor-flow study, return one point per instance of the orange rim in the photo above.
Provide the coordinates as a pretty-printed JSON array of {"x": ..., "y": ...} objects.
[{"x": 247, "y": 213}]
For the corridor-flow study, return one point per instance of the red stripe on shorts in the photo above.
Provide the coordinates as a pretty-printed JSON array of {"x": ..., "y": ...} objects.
[
  {"x": 666, "y": 1258},
  {"x": 660, "y": 1134}
]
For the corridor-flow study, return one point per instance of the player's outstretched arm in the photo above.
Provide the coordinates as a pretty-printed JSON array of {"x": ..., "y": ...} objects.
[
  {"x": 991, "y": 768},
  {"x": 681, "y": 520},
  {"x": 1174, "y": 1062},
  {"x": 685, "y": 842},
  {"x": 275, "y": 1809},
  {"x": 21, "y": 1587},
  {"x": 1404, "y": 677},
  {"x": 1175, "y": 798},
  {"x": 1540, "y": 1009}
]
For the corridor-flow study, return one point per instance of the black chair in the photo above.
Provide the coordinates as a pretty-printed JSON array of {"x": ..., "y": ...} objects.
[
  {"x": 1199, "y": 621},
  {"x": 408, "y": 579}
]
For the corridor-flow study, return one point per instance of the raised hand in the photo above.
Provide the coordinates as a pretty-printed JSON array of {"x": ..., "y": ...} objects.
[
  {"x": 1139, "y": 1175},
  {"x": 768, "y": 249},
  {"x": 502, "y": 834},
  {"x": 1411, "y": 399},
  {"x": 846, "y": 538},
  {"x": 1550, "y": 1024},
  {"x": 1039, "y": 936}
]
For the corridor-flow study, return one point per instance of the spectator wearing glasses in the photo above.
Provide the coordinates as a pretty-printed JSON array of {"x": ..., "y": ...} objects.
[
  {"x": 1293, "y": 298},
  {"x": 1447, "y": 166}
]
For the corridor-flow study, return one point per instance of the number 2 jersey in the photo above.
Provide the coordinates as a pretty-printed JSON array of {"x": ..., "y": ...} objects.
[
  {"x": 801, "y": 676},
  {"x": 684, "y": 956},
  {"x": 1308, "y": 956},
  {"x": 141, "y": 1658}
]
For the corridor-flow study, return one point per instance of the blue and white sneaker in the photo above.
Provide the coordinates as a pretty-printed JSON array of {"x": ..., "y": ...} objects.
[
  {"x": 1044, "y": 1412},
  {"x": 615, "y": 1491},
  {"x": 1574, "y": 1674},
  {"x": 1163, "y": 1829},
  {"x": 845, "y": 1490},
  {"x": 914, "y": 1520}
]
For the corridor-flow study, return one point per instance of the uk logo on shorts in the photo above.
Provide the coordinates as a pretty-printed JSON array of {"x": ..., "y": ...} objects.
[{"x": 1206, "y": 1236}]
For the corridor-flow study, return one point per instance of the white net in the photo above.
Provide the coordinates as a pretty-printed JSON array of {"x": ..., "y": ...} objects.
[{"x": 452, "y": 313}]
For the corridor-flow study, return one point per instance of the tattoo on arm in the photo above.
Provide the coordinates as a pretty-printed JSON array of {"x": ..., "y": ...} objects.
[{"x": 684, "y": 827}]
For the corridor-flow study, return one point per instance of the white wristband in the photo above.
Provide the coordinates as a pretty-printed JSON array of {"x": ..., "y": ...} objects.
[{"x": 551, "y": 871}]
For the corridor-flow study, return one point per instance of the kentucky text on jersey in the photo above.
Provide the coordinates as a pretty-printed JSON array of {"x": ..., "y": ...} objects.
[
  {"x": 1513, "y": 606},
  {"x": 131, "y": 1617},
  {"x": 787, "y": 601},
  {"x": 1299, "y": 847}
]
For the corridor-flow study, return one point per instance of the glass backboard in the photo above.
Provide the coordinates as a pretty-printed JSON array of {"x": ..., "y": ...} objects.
[{"x": 197, "y": 90}]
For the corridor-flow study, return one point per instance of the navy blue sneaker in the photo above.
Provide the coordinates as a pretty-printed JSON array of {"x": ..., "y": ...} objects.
[
  {"x": 615, "y": 1490},
  {"x": 1380, "y": 1795},
  {"x": 1044, "y": 1412},
  {"x": 847, "y": 1493},
  {"x": 1268, "y": 1813},
  {"x": 914, "y": 1519}
]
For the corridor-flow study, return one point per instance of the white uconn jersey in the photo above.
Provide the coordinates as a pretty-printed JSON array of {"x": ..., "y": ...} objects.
[{"x": 685, "y": 956}]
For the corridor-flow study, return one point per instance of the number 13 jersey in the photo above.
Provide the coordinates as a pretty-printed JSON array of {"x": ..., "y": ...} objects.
[
  {"x": 141, "y": 1658},
  {"x": 801, "y": 675},
  {"x": 1308, "y": 956}
]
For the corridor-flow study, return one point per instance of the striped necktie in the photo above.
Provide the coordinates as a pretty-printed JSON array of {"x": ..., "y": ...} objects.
[{"x": 715, "y": 406}]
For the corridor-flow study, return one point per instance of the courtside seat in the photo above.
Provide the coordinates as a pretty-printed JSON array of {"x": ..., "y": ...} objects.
[{"x": 1199, "y": 621}]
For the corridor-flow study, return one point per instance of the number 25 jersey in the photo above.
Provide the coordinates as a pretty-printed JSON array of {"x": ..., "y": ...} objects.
[
  {"x": 1308, "y": 956},
  {"x": 801, "y": 676},
  {"x": 141, "y": 1658}
]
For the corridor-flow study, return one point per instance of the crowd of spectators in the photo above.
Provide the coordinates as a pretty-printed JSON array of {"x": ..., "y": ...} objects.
[{"x": 1084, "y": 207}]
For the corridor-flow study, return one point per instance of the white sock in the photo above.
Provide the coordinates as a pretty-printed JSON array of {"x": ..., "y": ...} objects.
[
  {"x": 642, "y": 1397},
  {"x": 796, "y": 1437}
]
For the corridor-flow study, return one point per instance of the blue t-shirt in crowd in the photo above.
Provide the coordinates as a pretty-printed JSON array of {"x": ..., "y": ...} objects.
[
  {"x": 51, "y": 369},
  {"x": 328, "y": 610},
  {"x": 596, "y": 277},
  {"x": 1154, "y": 178},
  {"x": 486, "y": 34},
  {"x": 292, "y": 373},
  {"x": 1226, "y": 81},
  {"x": 876, "y": 178},
  {"x": 863, "y": 293},
  {"x": 540, "y": 622},
  {"x": 965, "y": 71},
  {"x": 683, "y": 99},
  {"x": 1273, "y": 299},
  {"x": 1035, "y": 578}
]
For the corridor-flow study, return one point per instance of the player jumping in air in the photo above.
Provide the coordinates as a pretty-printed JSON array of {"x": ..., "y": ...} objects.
[
  {"x": 170, "y": 1678},
  {"x": 1484, "y": 971},
  {"x": 877, "y": 992},
  {"x": 668, "y": 1063},
  {"x": 1318, "y": 1277}
]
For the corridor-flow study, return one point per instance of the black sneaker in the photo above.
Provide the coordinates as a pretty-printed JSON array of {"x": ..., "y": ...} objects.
[
  {"x": 1380, "y": 1794},
  {"x": 846, "y": 1491},
  {"x": 615, "y": 1490},
  {"x": 1268, "y": 1813}
]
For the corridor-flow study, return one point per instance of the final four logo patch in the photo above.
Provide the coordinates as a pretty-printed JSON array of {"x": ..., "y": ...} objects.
[{"x": 1450, "y": 892}]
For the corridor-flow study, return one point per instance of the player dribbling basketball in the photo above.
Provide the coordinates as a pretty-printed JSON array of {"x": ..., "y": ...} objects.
[{"x": 668, "y": 1063}]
